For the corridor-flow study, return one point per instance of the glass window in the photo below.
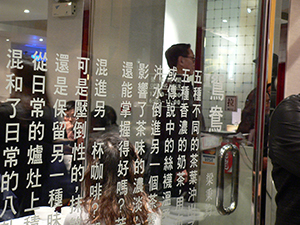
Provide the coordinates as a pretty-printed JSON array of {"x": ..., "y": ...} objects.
[{"x": 118, "y": 109}]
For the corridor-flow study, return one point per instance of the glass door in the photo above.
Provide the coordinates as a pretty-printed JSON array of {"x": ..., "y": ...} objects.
[
  {"x": 229, "y": 107},
  {"x": 183, "y": 81},
  {"x": 186, "y": 122}
]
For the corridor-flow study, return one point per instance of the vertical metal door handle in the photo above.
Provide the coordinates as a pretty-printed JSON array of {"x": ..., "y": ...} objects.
[{"x": 234, "y": 179}]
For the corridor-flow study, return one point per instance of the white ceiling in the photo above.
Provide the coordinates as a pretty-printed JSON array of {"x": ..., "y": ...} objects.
[
  {"x": 26, "y": 29},
  {"x": 13, "y": 10},
  {"x": 21, "y": 29}
]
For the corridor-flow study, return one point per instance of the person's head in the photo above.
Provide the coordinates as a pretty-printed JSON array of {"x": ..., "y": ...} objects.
[
  {"x": 110, "y": 157},
  {"x": 107, "y": 208},
  {"x": 268, "y": 104},
  {"x": 182, "y": 57},
  {"x": 70, "y": 105},
  {"x": 248, "y": 113},
  {"x": 109, "y": 118},
  {"x": 269, "y": 85},
  {"x": 70, "y": 110},
  {"x": 250, "y": 102}
]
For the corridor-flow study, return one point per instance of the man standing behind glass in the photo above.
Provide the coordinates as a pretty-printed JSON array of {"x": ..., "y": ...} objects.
[
  {"x": 176, "y": 121},
  {"x": 182, "y": 57}
]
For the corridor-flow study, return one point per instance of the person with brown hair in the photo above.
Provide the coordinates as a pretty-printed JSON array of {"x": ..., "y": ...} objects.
[
  {"x": 248, "y": 113},
  {"x": 247, "y": 126},
  {"x": 121, "y": 198},
  {"x": 248, "y": 116}
]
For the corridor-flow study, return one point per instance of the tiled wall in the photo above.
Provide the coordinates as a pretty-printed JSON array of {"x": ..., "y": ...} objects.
[{"x": 229, "y": 51}]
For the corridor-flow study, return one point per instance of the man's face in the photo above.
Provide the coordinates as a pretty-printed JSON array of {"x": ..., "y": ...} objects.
[
  {"x": 70, "y": 116},
  {"x": 269, "y": 90},
  {"x": 188, "y": 62}
]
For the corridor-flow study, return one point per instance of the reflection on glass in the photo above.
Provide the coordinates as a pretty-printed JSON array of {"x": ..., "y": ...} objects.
[{"x": 174, "y": 117}]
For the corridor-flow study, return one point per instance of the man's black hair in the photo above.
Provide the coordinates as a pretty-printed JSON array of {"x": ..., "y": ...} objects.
[
  {"x": 175, "y": 51},
  {"x": 70, "y": 105},
  {"x": 110, "y": 117}
]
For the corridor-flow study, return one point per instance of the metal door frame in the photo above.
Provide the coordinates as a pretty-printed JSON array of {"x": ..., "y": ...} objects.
[{"x": 264, "y": 53}]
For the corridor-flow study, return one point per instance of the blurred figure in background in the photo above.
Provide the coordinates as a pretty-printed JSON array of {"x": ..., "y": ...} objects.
[
  {"x": 26, "y": 141},
  {"x": 285, "y": 156},
  {"x": 269, "y": 86},
  {"x": 246, "y": 125},
  {"x": 105, "y": 123},
  {"x": 121, "y": 199},
  {"x": 70, "y": 119}
]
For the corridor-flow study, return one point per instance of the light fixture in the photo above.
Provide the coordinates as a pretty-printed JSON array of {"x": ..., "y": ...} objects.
[
  {"x": 249, "y": 10},
  {"x": 224, "y": 21},
  {"x": 41, "y": 39},
  {"x": 26, "y": 11},
  {"x": 7, "y": 39}
]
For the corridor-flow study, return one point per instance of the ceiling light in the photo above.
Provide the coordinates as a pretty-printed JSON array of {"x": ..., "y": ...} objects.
[
  {"x": 249, "y": 10},
  {"x": 224, "y": 21},
  {"x": 7, "y": 39},
  {"x": 26, "y": 11},
  {"x": 41, "y": 39}
]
